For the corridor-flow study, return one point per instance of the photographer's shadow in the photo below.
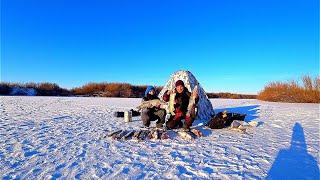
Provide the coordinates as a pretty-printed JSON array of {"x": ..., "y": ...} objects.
[{"x": 295, "y": 162}]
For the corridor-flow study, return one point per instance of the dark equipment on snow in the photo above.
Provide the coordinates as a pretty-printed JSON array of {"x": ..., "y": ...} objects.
[
  {"x": 224, "y": 119},
  {"x": 121, "y": 113}
]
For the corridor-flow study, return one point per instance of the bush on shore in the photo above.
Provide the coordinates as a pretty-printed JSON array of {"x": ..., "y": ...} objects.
[{"x": 293, "y": 91}]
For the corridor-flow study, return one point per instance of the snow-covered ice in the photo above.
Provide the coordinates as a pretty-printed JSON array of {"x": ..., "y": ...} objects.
[{"x": 52, "y": 137}]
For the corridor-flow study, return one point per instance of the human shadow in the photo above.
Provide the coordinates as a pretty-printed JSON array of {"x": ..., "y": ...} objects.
[
  {"x": 250, "y": 111},
  {"x": 295, "y": 162}
]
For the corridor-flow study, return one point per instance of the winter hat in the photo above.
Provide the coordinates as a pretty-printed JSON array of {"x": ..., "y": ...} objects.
[
  {"x": 179, "y": 82},
  {"x": 149, "y": 88}
]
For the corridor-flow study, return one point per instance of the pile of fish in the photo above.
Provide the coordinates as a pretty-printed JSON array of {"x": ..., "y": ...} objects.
[
  {"x": 143, "y": 134},
  {"x": 153, "y": 134}
]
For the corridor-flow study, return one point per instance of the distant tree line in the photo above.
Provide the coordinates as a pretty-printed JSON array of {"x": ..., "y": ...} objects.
[
  {"x": 231, "y": 96},
  {"x": 37, "y": 89},
  {"x": 103, "y": 89},
  {"x": 111, "y": 90},
  {"x": 305, "y": 91}
]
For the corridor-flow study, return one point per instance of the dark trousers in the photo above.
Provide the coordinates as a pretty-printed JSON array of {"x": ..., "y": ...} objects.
[
  {"x": 148, "y": 115},
  {"x": 176, "y": 120}
]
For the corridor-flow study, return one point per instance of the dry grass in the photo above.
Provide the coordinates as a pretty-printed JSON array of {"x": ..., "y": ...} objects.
[
  {"x": 110, "y": 90},
  {"x": 306, "y": 91}
]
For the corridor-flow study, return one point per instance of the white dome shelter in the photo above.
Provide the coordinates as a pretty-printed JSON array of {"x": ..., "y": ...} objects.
[{"x": 205, "y": 110}]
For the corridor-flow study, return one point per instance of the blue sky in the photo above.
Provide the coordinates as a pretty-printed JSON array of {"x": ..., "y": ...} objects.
[{"x": 230, "y": 46}]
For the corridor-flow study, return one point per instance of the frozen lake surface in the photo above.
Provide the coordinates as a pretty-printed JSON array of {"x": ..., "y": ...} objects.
[{"x": 62, "y": 137}]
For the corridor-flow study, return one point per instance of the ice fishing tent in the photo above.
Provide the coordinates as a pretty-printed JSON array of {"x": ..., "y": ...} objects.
[{"x": 205, "y": 110}]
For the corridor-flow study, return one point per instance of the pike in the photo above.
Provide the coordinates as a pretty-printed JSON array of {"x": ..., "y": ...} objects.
[
  {"x": 196, "y": 132},
  {"x": 128, "y": 135},
  {"x": 143, "y": 135},
  {"x": 192, "y": 102},
  {"x": 137, "y": 134},
  {"x": 151, "y": 134},
  {"x": 114, "y": 133},
  {"x": 120, "y": 135},
  {"x": 164, "y": 135},
  {"x": 150, "y": 104},
  {"x": 156, "y": 134},
  {"x": 171, "y": 104},
  {"x": 186, "y": 135}
]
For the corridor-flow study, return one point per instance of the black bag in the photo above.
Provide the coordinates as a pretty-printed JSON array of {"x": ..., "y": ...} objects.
[
  {"x": 234, "y": 116},
  {"x": 223, "y": 119},
  {"x": 121, "y": 114},
  {"x": 217, "y": 122}
]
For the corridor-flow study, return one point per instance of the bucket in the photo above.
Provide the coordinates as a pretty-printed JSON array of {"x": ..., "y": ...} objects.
[{"x": 127, "y": 116}]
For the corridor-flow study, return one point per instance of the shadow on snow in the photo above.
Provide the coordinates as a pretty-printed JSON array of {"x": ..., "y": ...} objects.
[{"x": 295, "y": 162}]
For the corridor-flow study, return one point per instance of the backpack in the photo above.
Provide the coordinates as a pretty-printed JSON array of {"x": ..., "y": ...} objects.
[
  {"x": 217, "y": 122},
  {"x": 224, "y": 119},
  {"x": 121, "y": 113}
]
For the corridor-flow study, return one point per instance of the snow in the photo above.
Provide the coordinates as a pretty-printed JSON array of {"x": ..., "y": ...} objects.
[{"x": 52, "y": 137}]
